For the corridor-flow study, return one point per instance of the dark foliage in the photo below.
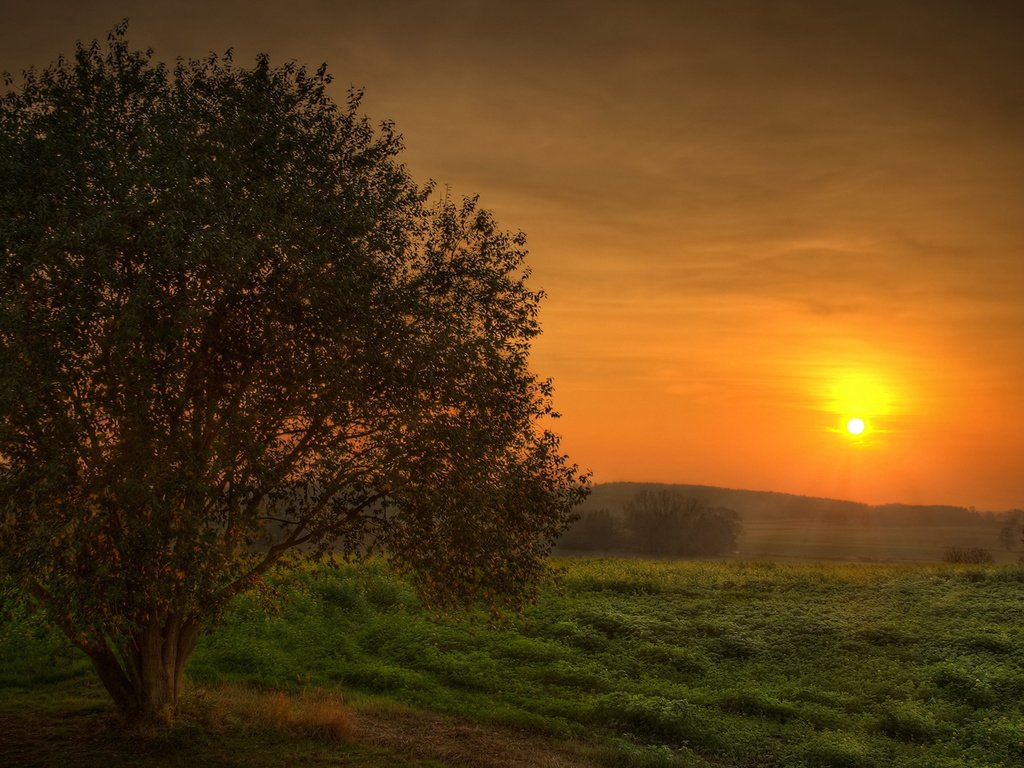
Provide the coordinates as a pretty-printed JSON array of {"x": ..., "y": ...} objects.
[
  {"x": 975, "y": 555},
  {"x": 233, "y": 327},
  {"x": 660, "y": 522}
]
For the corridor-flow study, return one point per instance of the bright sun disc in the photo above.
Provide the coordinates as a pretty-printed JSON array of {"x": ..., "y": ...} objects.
[{"x": 855, "y": 426}]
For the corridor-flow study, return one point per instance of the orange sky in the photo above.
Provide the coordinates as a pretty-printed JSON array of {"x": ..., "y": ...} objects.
[{"x": 753, "y": 219}]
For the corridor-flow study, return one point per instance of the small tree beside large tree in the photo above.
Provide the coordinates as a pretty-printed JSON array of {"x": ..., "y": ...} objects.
[{"x": 232, "y": 327}]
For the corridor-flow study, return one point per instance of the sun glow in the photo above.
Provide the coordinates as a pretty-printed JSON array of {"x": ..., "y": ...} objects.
[
  {"x": 859, "y": 400},
  {"x": 861, "y": 393}
]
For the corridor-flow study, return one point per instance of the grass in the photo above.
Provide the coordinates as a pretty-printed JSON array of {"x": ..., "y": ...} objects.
[
  {"x": 71, "y": 725},
  {"x": 800, "y": 539},
  {"x": 628, "y": 663}
]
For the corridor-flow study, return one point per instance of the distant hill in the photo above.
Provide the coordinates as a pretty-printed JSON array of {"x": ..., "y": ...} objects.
[
  {"x": 773, "y": 505},
  {"x": 783, "y": 525}
]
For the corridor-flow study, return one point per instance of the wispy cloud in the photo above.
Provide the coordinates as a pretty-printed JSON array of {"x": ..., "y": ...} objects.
[{"x": 727, "y": 203}]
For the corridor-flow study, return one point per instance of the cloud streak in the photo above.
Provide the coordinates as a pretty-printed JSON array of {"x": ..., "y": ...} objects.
[{"x": 729, "y": 203}]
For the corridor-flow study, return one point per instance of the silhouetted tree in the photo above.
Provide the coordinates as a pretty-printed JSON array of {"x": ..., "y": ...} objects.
[
  {"x": 665, "y": 522},
  {"x": 225, "y": 306},
  {"x": 653, "y": 518},
  {"x": 1012, "y": 530},
  {"x": 711, "y": 531}
]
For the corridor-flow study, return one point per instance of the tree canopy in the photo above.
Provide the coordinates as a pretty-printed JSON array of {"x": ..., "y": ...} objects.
[
  {"x": 233, "y": 327},
  {"x": 659, "y": 522},
  {"x": 664, "y": 522}
]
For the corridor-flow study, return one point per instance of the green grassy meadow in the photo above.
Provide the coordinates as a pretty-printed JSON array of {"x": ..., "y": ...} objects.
[
  {"x": 796, "y": 539},
  {"x": 630, "y": 662}
]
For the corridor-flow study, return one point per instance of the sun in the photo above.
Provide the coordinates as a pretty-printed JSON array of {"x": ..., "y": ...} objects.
[{"x": 861, "y": 402}]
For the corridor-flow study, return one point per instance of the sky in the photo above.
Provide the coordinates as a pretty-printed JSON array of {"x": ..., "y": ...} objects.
[{"x": 753, "y": 220}]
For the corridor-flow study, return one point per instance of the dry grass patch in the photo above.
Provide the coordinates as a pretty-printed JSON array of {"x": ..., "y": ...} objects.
[
  {"x": 382, "y": 724},
  {"x": 317, "y": 714}
]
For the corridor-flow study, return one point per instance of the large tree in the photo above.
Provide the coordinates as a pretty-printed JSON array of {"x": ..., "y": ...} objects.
[{"x": 232, "y": 327}]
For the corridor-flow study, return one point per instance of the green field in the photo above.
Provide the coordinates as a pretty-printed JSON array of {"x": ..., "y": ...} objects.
[
  {"x": 799, "y": 539},
  {"x": 786, "y": 527},
  {"x": 627, "y": 663}
]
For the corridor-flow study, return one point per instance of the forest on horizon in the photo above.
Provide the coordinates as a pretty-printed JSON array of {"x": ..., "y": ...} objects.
[{"x": 773, "y": 525}]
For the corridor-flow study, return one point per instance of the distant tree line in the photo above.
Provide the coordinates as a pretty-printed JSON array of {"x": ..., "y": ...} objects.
[
  {"x": 1011, "y": 533},
  {"x": 660, "y": 523},
  {"x": 972, "y": 555},
  {"x": 767, "y": 506}
]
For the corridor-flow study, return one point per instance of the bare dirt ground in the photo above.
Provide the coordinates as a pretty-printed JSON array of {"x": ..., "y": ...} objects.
[
  {"x": 458, "y": 743},
  {"x": 70, "y": 733}
]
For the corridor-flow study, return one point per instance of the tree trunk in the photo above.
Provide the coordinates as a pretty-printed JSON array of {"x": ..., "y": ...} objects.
[{"x": 145, "y": 677}]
